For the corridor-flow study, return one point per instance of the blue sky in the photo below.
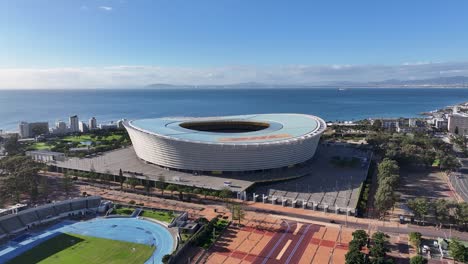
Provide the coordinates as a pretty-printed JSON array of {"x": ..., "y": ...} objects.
[{"x": 192, "y": 41}]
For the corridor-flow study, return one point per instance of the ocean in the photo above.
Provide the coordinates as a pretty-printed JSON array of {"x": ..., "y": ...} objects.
[{"x": 330, "y": 104}]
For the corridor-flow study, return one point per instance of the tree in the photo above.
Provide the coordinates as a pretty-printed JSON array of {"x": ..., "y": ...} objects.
[
  {"x": 67, "y": 183},
  {"x": 165, "y": 259},
  {"x": 379, "y": 250},
  {"x": 384, "y": 198},
  {"x": 388, "y": 176},
  {"x": 225, "y": 194},
  {"x": 420, "y": 207},
  {"x": 355, "y": 256},
  {"x": 133, "y": 181},
  {"x": 238, "y": 212},
  {"x": 121, "y": 179},
  {"x": 19, "y": 176},
  {"x": 361, "y": 237},
  {"x": 44, "y": 188},
  {"x": 12, "y": 145},
  {"x": 92, "y": 173},
  {"x": 181, "y": 192},
  {"x": 418, "y": 260},
  {"x": 147, "y": 185},
  {"x": 461, "y": 214},
  {"x": 161, "y": 183},
  {"x": 377, "y": 125},
  {"x": 415, "y": 239},
  {"x": 172, "y": 188},
  {"x": 458, "y": 251},
  {"x": 441, "y": 210}
]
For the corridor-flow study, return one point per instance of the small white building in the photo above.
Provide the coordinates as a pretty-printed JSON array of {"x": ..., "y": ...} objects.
[
  {"x": 441, "y": 123},
  {"x": 45, "y": 155}
]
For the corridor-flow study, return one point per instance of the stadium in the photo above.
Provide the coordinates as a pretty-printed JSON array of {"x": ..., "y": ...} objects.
[{"x": 227, "y": 144}]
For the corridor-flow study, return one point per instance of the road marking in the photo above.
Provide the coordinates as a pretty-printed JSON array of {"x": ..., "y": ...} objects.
[
  {"x": 461, "y": 186},
  {"x": 284, "y": 249},
  {"x": 265, "y": 260},
  {"x": 297, "y": 244},
  {"x": 299, "y": 225}
]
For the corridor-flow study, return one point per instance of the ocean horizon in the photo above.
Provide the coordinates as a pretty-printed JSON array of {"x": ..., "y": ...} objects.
[{"x": 331, "y": 104}]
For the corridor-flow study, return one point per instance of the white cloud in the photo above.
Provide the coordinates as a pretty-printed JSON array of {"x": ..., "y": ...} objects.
[
  {"x": 136, "y": 76},
  {"x": 106, "y": 8}
]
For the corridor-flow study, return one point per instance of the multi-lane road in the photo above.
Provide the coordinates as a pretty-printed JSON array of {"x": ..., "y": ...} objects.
[{"x": 460, "y": 179}]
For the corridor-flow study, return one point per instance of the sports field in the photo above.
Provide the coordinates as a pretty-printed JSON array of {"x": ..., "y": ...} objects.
[{"x": 79, "y": 249}]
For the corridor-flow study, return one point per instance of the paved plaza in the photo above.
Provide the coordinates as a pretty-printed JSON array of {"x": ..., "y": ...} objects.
[
  {"x": 326, "y": 186},
  {"x": 269, "y": 239},
  {"x": 318, "y": 184},
  {"x": 126, "y": 159}
]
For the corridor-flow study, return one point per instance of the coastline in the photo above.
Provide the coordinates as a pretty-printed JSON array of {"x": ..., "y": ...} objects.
[{"x": 331, "y": 104}]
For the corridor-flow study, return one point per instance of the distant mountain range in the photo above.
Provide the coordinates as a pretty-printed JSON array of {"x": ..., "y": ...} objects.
[{"x": 440, "y": 82}]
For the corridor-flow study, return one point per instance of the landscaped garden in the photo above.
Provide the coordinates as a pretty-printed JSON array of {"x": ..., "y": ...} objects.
[
  {"x": 159, "y": 215},
  {"x": 80, "y": 145},
  {"x": 163, "y": 216}
]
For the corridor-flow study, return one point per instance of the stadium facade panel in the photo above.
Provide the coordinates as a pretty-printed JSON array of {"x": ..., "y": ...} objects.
[{"x": 228, "y": 143}]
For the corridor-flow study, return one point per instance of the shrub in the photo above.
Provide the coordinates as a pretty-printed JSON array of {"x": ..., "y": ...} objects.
[
  {"x": 165, "y": 258},
  {"x": 418, "y": 260},
  {"x": 131, "y": 202}
]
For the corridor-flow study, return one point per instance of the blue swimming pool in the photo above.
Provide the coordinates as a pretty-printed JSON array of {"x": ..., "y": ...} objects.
[{"x": 124, "y": 229}]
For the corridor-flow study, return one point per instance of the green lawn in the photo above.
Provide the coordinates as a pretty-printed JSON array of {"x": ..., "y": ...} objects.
[
  {"x": 41, "y": 146},
  {"x": 71, "y": 249},
  {"x": 88, "y": 138},
  {"x": 78, "y": 138},
  {"x": 124, "y": 211},
  {"x": 159, "y": 215}
]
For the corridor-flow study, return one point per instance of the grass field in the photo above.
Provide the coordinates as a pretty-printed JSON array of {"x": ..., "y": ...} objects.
[
  {"x": 89, "y": 138},
  {"x": 159, "y": 215},
  {"x": 78, "y": 249},
  {"x": 41, "y": 146}
]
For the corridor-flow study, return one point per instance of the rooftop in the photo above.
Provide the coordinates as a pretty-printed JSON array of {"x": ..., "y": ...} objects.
[{"x": 259, "y": 128}]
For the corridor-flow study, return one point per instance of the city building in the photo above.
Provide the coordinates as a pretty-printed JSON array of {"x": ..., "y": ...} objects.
[
  {"x": 24, "y": 130},
  {"x": 416, "y": 122},
  {"x": 120, "y": 124},
  {"x": 60, "y": 128},
  {"x": 30, "y": 130},
  {"x": 92, "y": 123},
  {"x": 458, "y": 123},
  {"x": 74, "y": 124},
  {"x": 441, "y": 123},
  {"x": 227, "y": 144},
  {"x": 83, "y": 127},
  {"x": 108, "y": 126}
]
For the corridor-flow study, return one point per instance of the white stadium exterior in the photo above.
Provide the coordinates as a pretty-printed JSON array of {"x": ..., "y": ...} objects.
[{"x": 227, "y": 144}]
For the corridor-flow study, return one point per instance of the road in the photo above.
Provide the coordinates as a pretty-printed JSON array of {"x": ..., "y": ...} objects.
[
  {"x": 460, "y": 179},
  {"x": 425, "y": 231}
]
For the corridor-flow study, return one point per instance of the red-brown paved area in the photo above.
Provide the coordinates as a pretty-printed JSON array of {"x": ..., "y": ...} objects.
[{"x": 266, "y": 239}]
